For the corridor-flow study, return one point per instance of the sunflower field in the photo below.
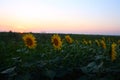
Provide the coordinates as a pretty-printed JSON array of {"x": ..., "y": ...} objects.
[{"x": 42, "y": 56}]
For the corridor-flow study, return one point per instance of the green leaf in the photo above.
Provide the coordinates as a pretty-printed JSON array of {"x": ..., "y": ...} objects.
[
  {"x": 62, "y": 72},
  {"x": 51, "y": 74},
  {"x": 92, "y": 64},
  {"x": 89, "y": 68},
  {"x": 100, "y": 65},
  {"x": 26, "y": 76},
  {"x": 83, "y": 78},
  {"x": 98, "y": 57},
  {"x": 8, "y": 71}
]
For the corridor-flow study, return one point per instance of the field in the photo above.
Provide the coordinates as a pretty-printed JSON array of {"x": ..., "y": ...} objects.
[{"x": 81, "y": 57}]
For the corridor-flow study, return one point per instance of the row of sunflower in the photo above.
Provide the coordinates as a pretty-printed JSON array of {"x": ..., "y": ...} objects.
[
  {"x": 57, "y": 42},
  {"x": 101, "y": 43},
  {"x": 30, "y": 41}
]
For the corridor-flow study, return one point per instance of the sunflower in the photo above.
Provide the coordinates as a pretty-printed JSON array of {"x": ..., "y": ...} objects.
[
  {"x": 103, "y": 44},
  {"x": 56, "y": 41},
  {"x": 29, "y": 40},
  {"x": 118, "y": 41},
  {"x": 85, "y": 41},
  {"x": 69, "y": 39},
  {"x": 113, "y": 51},
  {"x": 90, "y": 42},
  {"x": 97, "y": 42},
  {"x": 77, "y": 41}
]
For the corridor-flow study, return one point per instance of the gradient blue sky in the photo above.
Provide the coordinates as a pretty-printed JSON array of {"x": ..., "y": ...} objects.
[{"x": 61, "y": 16}]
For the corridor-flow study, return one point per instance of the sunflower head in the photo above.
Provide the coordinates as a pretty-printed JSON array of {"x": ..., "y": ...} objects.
[
  {"x": 85, "y": 42},
  {"x": 97, "y": 42},
  {"x": 56, "y": 41},
  {"x": 90, "y": 42},
  {"x": 69, "y": 39},
  {"x": 118, "y": 41},
  {"x": 113, "y": 51},
  {"x": 30, "y": 41},
  {"x": 103, "y": 44},
  {"x": 77, "y": 41},
  {"x": 103, "y": 38}
]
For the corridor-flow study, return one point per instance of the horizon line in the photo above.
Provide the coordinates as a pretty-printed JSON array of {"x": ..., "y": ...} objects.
[{"x": 62, "y": 33}]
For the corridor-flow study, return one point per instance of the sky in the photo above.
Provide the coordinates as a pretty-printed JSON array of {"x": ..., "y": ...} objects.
[{"x": 61, "y": 16}]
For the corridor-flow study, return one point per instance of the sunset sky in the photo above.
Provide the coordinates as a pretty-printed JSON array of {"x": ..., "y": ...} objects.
[{"x": 61, "y": 16}]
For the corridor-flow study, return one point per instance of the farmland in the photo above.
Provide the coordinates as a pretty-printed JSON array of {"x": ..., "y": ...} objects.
[{"x": 86, "y": 57}]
